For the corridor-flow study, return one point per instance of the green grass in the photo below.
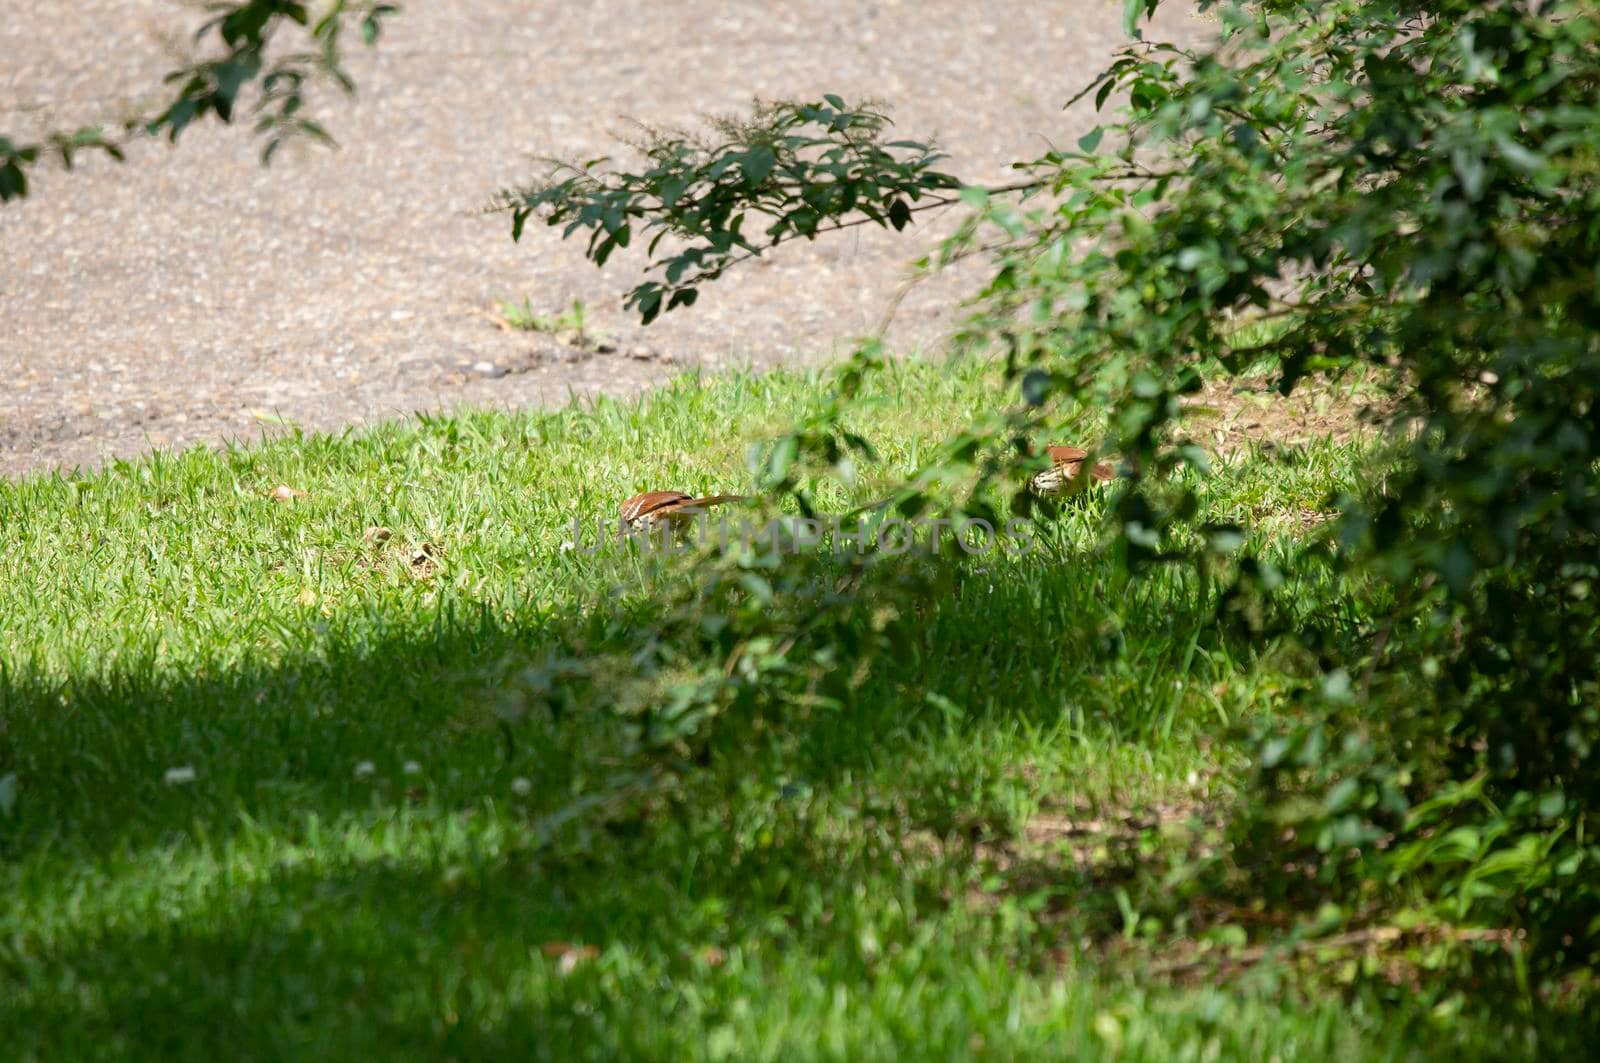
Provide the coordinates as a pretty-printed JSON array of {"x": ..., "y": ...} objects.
[{"x": 360, "y": 868}]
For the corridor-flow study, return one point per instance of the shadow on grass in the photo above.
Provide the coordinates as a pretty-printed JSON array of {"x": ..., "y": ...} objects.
[
  {"x": 443, "y": 959},
  {"x": 357, "y": 864},
  {"x": 365, "y": 712}
]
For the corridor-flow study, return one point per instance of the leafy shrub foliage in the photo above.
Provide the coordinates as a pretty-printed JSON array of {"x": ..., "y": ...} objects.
[
  {"x": 1406, "y": 187},
  {"x": 1414, "y": 186},
  {"x": 802, "y": 169}
]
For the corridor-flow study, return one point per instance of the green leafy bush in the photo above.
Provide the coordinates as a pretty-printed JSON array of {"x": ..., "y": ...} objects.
[{"x": 1405, "y": 189}]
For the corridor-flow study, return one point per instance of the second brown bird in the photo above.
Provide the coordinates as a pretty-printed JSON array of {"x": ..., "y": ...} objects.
[{"x": 1066, "y": 465}]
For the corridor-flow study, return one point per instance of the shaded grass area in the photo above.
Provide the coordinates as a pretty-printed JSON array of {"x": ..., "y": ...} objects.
[{"x": 262, "y": 807}]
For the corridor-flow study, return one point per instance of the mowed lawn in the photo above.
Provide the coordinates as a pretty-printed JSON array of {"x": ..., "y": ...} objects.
[{"x": 257, "y": 803}]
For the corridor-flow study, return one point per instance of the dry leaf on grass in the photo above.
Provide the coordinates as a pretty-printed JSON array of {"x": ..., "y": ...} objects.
[{"x": 285, "y": 493}]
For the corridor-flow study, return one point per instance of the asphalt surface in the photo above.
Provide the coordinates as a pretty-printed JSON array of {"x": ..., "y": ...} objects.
[{"x": 193, "y": 296}]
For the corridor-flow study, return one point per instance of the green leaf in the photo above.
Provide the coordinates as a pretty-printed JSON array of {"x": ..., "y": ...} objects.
[
  {"x": 1336, "y": 686},
  {"x": 1469, "y": 171},
  {"x": 757, "y": 163},
  {"x": 1343, "y": 793},
  {"x": 1519, "y": 157},
  {"x": 1457, "y": 566},
  {"x": 13, "y": 182},
  {"x": 781, "y": 458},
  {"x": 1131, "y": 10},
  {"x": 1273, "y": 752},
  {"x": 1141, "y": 534},
  {"x": 231, "y": 76},
  {"x": 647, "y": 299},
  {"x": 177, "y": 117},
  {"x": 315, "y": 131},
  {"x": 1036, "y": 387},
  {"x": 1224, "y": 538},
  {"x": 974, "y": 196}
]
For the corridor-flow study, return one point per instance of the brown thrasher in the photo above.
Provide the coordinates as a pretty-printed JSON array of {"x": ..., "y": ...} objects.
[
  {"x": 1066, "y": 463},
  {"x": 653, "y": 508}
]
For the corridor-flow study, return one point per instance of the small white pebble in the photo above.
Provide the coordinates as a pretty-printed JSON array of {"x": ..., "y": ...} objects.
[
  {"x": 411, "y": 767},
  {"x": 180, "y": 776},
  {"x": 365, "y": 768},
  {"x": 521, "y": 787}
]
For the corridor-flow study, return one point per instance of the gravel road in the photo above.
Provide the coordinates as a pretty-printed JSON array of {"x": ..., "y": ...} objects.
[{"x": 192, "y": 296}]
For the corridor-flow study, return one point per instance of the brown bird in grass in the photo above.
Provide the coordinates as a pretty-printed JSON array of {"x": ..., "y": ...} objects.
[
  {"x": 1066, "y": 464},
  {"x": 653, "y": 508}
]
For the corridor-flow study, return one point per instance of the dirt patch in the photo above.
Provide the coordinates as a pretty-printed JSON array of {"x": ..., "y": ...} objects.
[{"x": 1236, "y": 415}]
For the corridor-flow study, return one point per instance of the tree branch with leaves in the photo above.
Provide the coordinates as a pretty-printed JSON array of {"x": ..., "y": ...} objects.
[
  {"x": 281, "y": 48},
  {"x": 705, "y": 203}
]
